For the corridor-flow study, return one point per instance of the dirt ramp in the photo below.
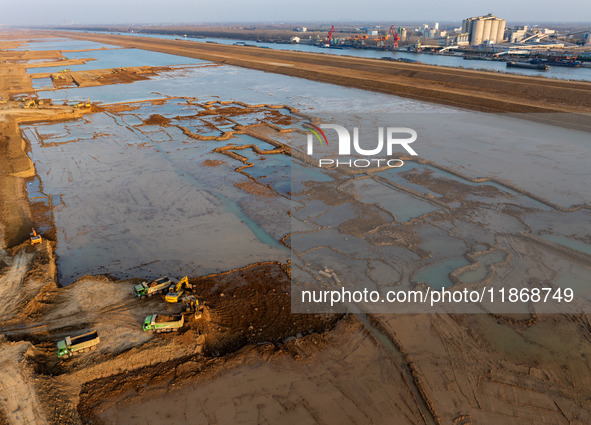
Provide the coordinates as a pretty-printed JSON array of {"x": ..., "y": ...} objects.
[{"x": 251, "y": 306}]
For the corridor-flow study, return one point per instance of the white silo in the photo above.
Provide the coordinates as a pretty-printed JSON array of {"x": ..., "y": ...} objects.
[
  {"x": 494, "y": 30},
  {"x": 486, "y": 30},
  {"x": 501, "y": 31},
  {"x": 477, "y": 27}
]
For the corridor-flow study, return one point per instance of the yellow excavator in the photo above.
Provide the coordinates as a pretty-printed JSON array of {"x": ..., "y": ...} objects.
[
  {"x": 35, "y": 238},
  {"x": 175, "y": 292},
  {"x": 83, "y": 105},
  {"x": 31, "y": 104},
  {"x": 192, "y": 305}
]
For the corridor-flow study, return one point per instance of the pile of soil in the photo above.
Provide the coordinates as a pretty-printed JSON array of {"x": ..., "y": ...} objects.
[{"x": 251, "y": 306}]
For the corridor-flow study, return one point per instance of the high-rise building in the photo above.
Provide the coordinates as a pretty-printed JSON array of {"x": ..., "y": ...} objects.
[{"x": 484, "y": 29}]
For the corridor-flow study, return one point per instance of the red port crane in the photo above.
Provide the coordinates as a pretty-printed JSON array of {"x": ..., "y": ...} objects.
[
  {"x": 395, "y": 36},
  {"x": 330, "y": 33}
]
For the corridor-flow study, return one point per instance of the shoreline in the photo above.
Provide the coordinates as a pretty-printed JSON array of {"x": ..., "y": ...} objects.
[{"x": 476, "y": 90}]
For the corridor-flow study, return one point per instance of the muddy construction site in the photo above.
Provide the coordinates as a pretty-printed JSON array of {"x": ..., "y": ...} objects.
[{"x": 132, "y": 165}]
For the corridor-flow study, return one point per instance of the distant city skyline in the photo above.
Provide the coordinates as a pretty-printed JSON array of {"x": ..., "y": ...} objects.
[{"x": 59, "y": 12}]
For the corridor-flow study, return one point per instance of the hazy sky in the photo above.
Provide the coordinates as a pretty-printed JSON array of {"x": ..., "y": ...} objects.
[{"x": 46, "y": 12}]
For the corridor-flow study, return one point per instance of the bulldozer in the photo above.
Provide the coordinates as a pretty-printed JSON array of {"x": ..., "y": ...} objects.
[
  {"x": 35, "y": 238},
  {"x": 175, "y": 292}
]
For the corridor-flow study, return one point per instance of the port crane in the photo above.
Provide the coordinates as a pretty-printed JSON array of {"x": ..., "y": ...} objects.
[
  {"x": 395, "y": 36},
  {"x": 329, "y": 38}
]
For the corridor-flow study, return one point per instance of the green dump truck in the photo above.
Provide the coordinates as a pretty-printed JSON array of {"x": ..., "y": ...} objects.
[
  {"x": 154, "y": 287},
  {"x": 164, "y": 323},
  {"x": 78, "y": 344}
]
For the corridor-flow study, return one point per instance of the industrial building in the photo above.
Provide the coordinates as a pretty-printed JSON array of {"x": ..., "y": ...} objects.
[
  {"x": 402, "y": 33},
  {"x": 517, "y": 34},
  {"x": 484, "y": 29}
]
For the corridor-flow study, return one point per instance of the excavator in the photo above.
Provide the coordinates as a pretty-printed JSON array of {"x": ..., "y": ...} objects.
[
  {"x": 35, "y": 238},
  {"x": 30, "y": 104},
  {"x": 192, "y": 305},
  {"x": 175, "y": 292},
  {"x": 83, "y": 105}
]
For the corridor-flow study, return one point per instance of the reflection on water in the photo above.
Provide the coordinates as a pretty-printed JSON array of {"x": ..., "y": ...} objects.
[
  {"x": 480, "y": 272},
  {"x": 62, "y": 44},
  {"x": 42, "y": 83},
  {"x": 437, "y": 275},
  {"x": 166, "y": 213},
  {"x": 117, "y": 58},
  {"x": 569, "y": 242}
]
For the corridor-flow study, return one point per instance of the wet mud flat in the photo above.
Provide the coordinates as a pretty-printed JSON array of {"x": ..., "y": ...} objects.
[
  {"x": 151, "y": 175},
  {"x": 142, "y": 184},
  {"x": 217, "y": 164}
]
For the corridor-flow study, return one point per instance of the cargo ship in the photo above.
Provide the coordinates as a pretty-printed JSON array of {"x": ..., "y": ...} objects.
[
  {"x": 536, "y": 66},
  {"x": 569, "y": 62}
]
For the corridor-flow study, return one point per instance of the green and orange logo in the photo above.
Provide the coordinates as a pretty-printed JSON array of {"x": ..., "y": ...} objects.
[{"x": 316, "y": 131}]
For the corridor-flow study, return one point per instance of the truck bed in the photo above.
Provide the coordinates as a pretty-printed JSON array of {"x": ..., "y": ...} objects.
[
  {"x": 168, "y": 318},
  {"x": 158, "y": 282},
  {"x": 84, "y": 338}
]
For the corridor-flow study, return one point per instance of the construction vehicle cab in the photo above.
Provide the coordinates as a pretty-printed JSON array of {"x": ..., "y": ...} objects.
[
  {"x": 35, "y": 238},
  {"x": 175, "y": 292},
  {"x": 147, "y": 323},
  {"x": 62, "y": 349}
]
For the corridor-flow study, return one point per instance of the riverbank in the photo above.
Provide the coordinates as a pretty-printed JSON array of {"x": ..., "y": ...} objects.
[{"x": 476, "y": 90}]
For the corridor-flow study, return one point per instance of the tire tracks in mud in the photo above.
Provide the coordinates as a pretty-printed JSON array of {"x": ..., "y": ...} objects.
[
  {"x": 19, "y": 401},
  {"x": 11, "y": 283}
]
